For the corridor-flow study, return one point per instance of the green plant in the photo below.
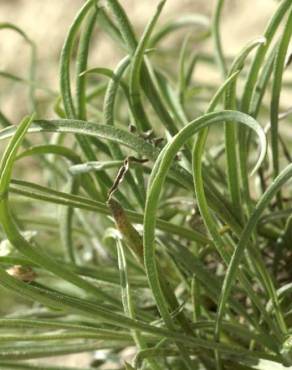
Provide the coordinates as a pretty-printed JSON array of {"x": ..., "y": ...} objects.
[{"x": 158, "y": 241}]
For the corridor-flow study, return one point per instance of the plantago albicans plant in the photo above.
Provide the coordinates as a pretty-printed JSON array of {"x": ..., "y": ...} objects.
[{"x": 162, "y": 219}]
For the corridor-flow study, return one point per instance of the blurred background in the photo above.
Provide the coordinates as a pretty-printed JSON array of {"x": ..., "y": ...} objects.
[{"x": 46, "y": 22}]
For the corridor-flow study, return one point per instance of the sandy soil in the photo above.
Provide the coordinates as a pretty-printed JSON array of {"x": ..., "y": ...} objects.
[{"x": 46, "y": 22}]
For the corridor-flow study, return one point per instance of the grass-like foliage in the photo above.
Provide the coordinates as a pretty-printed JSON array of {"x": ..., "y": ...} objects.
[{"x": 162, "y": 220}]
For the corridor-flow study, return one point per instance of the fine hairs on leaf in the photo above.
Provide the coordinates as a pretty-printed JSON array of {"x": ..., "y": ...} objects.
[{"x": 145, "y": 205}]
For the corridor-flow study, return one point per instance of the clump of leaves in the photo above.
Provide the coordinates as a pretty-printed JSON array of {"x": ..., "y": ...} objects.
[{"x": 142, "y": 235}]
